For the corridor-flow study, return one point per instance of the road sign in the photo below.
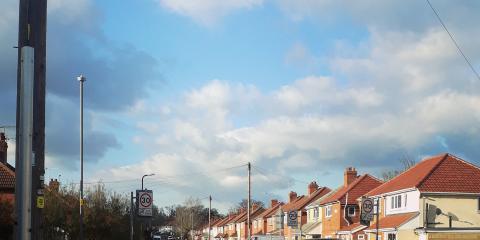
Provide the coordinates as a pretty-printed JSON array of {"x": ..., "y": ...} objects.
[
  {"x": 292, "y": 219},
  {"x": 40, "y": 202},
  {"x": 366, "y": 214},
  {"x": 144, "y": 203}
]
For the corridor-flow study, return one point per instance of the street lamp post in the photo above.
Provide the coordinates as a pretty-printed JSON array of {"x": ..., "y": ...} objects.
[
  {"x": 81, "y": 79},
  {"x": 146, "y": 175}
]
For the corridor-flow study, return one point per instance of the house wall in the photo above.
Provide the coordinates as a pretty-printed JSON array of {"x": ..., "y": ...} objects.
[
  {"x": 463, "y": 209},
  {"x": 453, "y": 236},
  {"x": 331, "y": 224},
  {"x": 406, "y": 234},
  {"x": 409, "y": 202}
]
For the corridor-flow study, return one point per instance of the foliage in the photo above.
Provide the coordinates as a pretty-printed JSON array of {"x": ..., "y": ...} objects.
[
  {"x": 244, "y": 203},
  {"x": 6, "y": 218}
]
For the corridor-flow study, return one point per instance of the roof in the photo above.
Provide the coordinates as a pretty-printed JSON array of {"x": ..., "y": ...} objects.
[
  {"x": 229, "y": 219},
  {"x": 303, "y": 201},
  {"x": 352, "y": 228},
  {"x": 7, "y": 177},
  {"x": 356, "y": 189},
  {"x": 255, "y": 212},
  {"x": 394, "y": 221},
  {"x": 270, "y": 211},
  {"x": 441, "y": 173}
]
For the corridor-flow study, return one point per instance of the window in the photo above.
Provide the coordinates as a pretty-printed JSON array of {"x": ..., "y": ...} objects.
[
  {"x": 328, "y": 211},
  {"x": 315, "y": 212},
  {"x": 478, "y": 207},
  {"x": 396, "y": 202},
  {"x": 351, "y": 211},
  {"x": 361, "y": 237},
  {"x": 391, "y": 236}
]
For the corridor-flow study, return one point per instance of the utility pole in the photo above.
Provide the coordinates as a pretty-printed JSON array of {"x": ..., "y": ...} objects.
[
  {"x": 30, "y": 159},
  {"x": 209, "y": 216},
  {"x": 132, "y": 211},
  {"x": 82, "y": 80},
  {"x": 378, "y": 220},
  {"x": 248, "y": 201}
]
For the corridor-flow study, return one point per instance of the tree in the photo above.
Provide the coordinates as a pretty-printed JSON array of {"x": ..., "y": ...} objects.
[
  {"x": 244, "y": 203},
  {"x": 406, "y": 161}
]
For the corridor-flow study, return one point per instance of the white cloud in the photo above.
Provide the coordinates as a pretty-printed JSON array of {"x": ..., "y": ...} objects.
[{"x": 207, "y": 12}]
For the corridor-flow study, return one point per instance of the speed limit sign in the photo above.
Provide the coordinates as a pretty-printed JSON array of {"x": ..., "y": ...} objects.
[{"x": 144, "y": 203}]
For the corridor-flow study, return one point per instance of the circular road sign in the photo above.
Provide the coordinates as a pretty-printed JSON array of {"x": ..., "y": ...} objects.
[
  {"x": 367, "y": 205},
  {"x": 292, "y": 215},
  {"x": 145, "y": 200}
]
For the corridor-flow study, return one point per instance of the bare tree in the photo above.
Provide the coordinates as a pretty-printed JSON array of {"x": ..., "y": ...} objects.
[{"x": 407, "y": 162}]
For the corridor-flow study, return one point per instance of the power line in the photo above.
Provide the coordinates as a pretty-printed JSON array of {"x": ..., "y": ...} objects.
[
  {"x": 453, "y": 40},
  {"x": 262, "y": 172}
]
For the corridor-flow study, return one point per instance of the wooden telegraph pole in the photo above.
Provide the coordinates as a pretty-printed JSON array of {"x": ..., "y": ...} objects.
[{"x": 32, "y": 33}]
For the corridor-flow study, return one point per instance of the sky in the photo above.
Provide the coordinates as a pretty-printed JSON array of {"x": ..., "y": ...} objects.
[{"x": 194, "y": 90}]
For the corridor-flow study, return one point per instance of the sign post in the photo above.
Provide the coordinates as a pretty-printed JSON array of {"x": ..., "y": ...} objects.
[
  {"x": 366, "y": 214},
  {"x": 144, "y": 203},
  {"x": 292, "y": 219}
]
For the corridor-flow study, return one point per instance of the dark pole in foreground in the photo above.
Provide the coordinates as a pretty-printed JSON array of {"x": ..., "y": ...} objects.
[
  {"x": 209, "y": 216},
  {"x": 32, "y": 33},
  {"x": 378, "y": 215},
  {"x": 81, "y": 79},
  {"x": 132, "y": 210}
]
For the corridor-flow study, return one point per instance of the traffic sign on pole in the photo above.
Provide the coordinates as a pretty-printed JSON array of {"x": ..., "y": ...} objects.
[
  {"x": 292, "y": 219},
  {"x": 366, "y": 214},
  {"x": 145, "y": 203}
]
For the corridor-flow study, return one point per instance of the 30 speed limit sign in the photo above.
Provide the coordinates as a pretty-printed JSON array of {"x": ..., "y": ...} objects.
[{"x": 144, "y": 203}]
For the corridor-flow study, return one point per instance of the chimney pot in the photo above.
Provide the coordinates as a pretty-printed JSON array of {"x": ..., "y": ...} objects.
[
  {"x": 292, "y": 196},
  {"x": 3, "y": 148},
  {"x": 312, "y": 187},
  {"x": 273, "y": 202},
  {"x": 349, "y": 176}
]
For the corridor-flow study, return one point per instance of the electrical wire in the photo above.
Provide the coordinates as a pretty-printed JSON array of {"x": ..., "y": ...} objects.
[{"x": 453, "y": 40}]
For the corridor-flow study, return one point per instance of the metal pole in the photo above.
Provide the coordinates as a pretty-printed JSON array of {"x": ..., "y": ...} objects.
[
  {"x": 248, "y": 201},
  {"x": 131, "y": 215},
  {"x": 209, "y": 216},
  {"x": 24, "y": 148},
  {"x": 378, "y": 215},
  {"x": 81, "y": 79},
  {"x": 146, "y": 175}
]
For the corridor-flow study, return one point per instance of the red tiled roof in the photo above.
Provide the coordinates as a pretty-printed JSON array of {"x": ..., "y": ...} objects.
[
  {"x": 226, "y": 220},
  {"x": 356, "y": 189},
  {"x": 270, "y": 211},
  {"x": 442, "y": 173},
  {"x": 255, "y": 212},
  {"x": 303, "y": 201},
  {"x": 352, "y": 227},
  {"x": 7, "y": 177},
  {"x": 394, "y": 221}
]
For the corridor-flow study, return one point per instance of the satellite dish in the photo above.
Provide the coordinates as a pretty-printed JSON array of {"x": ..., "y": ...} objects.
[{"x": 438, "y": 211}]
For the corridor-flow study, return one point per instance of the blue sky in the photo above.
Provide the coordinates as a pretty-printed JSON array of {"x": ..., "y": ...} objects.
[{"x": 300, "y": 88}]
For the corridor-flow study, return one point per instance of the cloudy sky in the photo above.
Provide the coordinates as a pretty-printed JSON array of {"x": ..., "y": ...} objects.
[{"x": 193, "y": 90}]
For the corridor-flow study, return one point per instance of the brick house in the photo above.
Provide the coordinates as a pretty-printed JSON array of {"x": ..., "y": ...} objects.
[
  {"x": 241, "y": 223},
  {"x": 298, "y": 205},
  {"x": 221, "y": 227},
  {"x": 341, "y": 210},
  {"x": 438, "y": 198},
  {"x": 264, "y": 223},
  {"x": 7, "y": 173}
]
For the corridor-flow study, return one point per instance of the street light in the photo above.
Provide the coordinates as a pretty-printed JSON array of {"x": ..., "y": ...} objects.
[
  {"x": 146, "y": 175},
  {"x": 81, "y": 79}
]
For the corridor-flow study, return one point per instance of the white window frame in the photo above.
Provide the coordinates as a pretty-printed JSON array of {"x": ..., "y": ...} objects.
[
  {"x": 396, "y": 201},
  {"x": 328, "y": 211},
  {"x": 361, "y": 237},
  {"x": 348, "y": 211},
  {"x": 316, "y": 211},
  {"x": 387, "y": 235}
]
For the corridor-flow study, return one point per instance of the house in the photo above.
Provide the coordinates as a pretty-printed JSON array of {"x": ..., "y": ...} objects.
[
  {"x": 231, "y": 226},
  {"x": 438, "y": 198},
  {"x": 7, "y": 173},
  {"x": 313, "y": 228},
  {"x": 241, "y": 223},
  {"x": 298, "y": 204},
  {"x": 213, "y": 229},
  {"x": 341, "y": 209},
  {"x": 221, "y": 228},
  {"x": 264, "y": 223}
]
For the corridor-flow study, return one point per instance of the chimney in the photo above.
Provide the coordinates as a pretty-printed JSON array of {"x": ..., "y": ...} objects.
[
  {"x": 312, "y": 187},
  {"x": 273, "y": 202},
  {"x": 292, "y": 196},
  {"x": 3, "y": 148},
  {"x": 349, "y": 176},
  {"x": 54, "y": 185}
]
